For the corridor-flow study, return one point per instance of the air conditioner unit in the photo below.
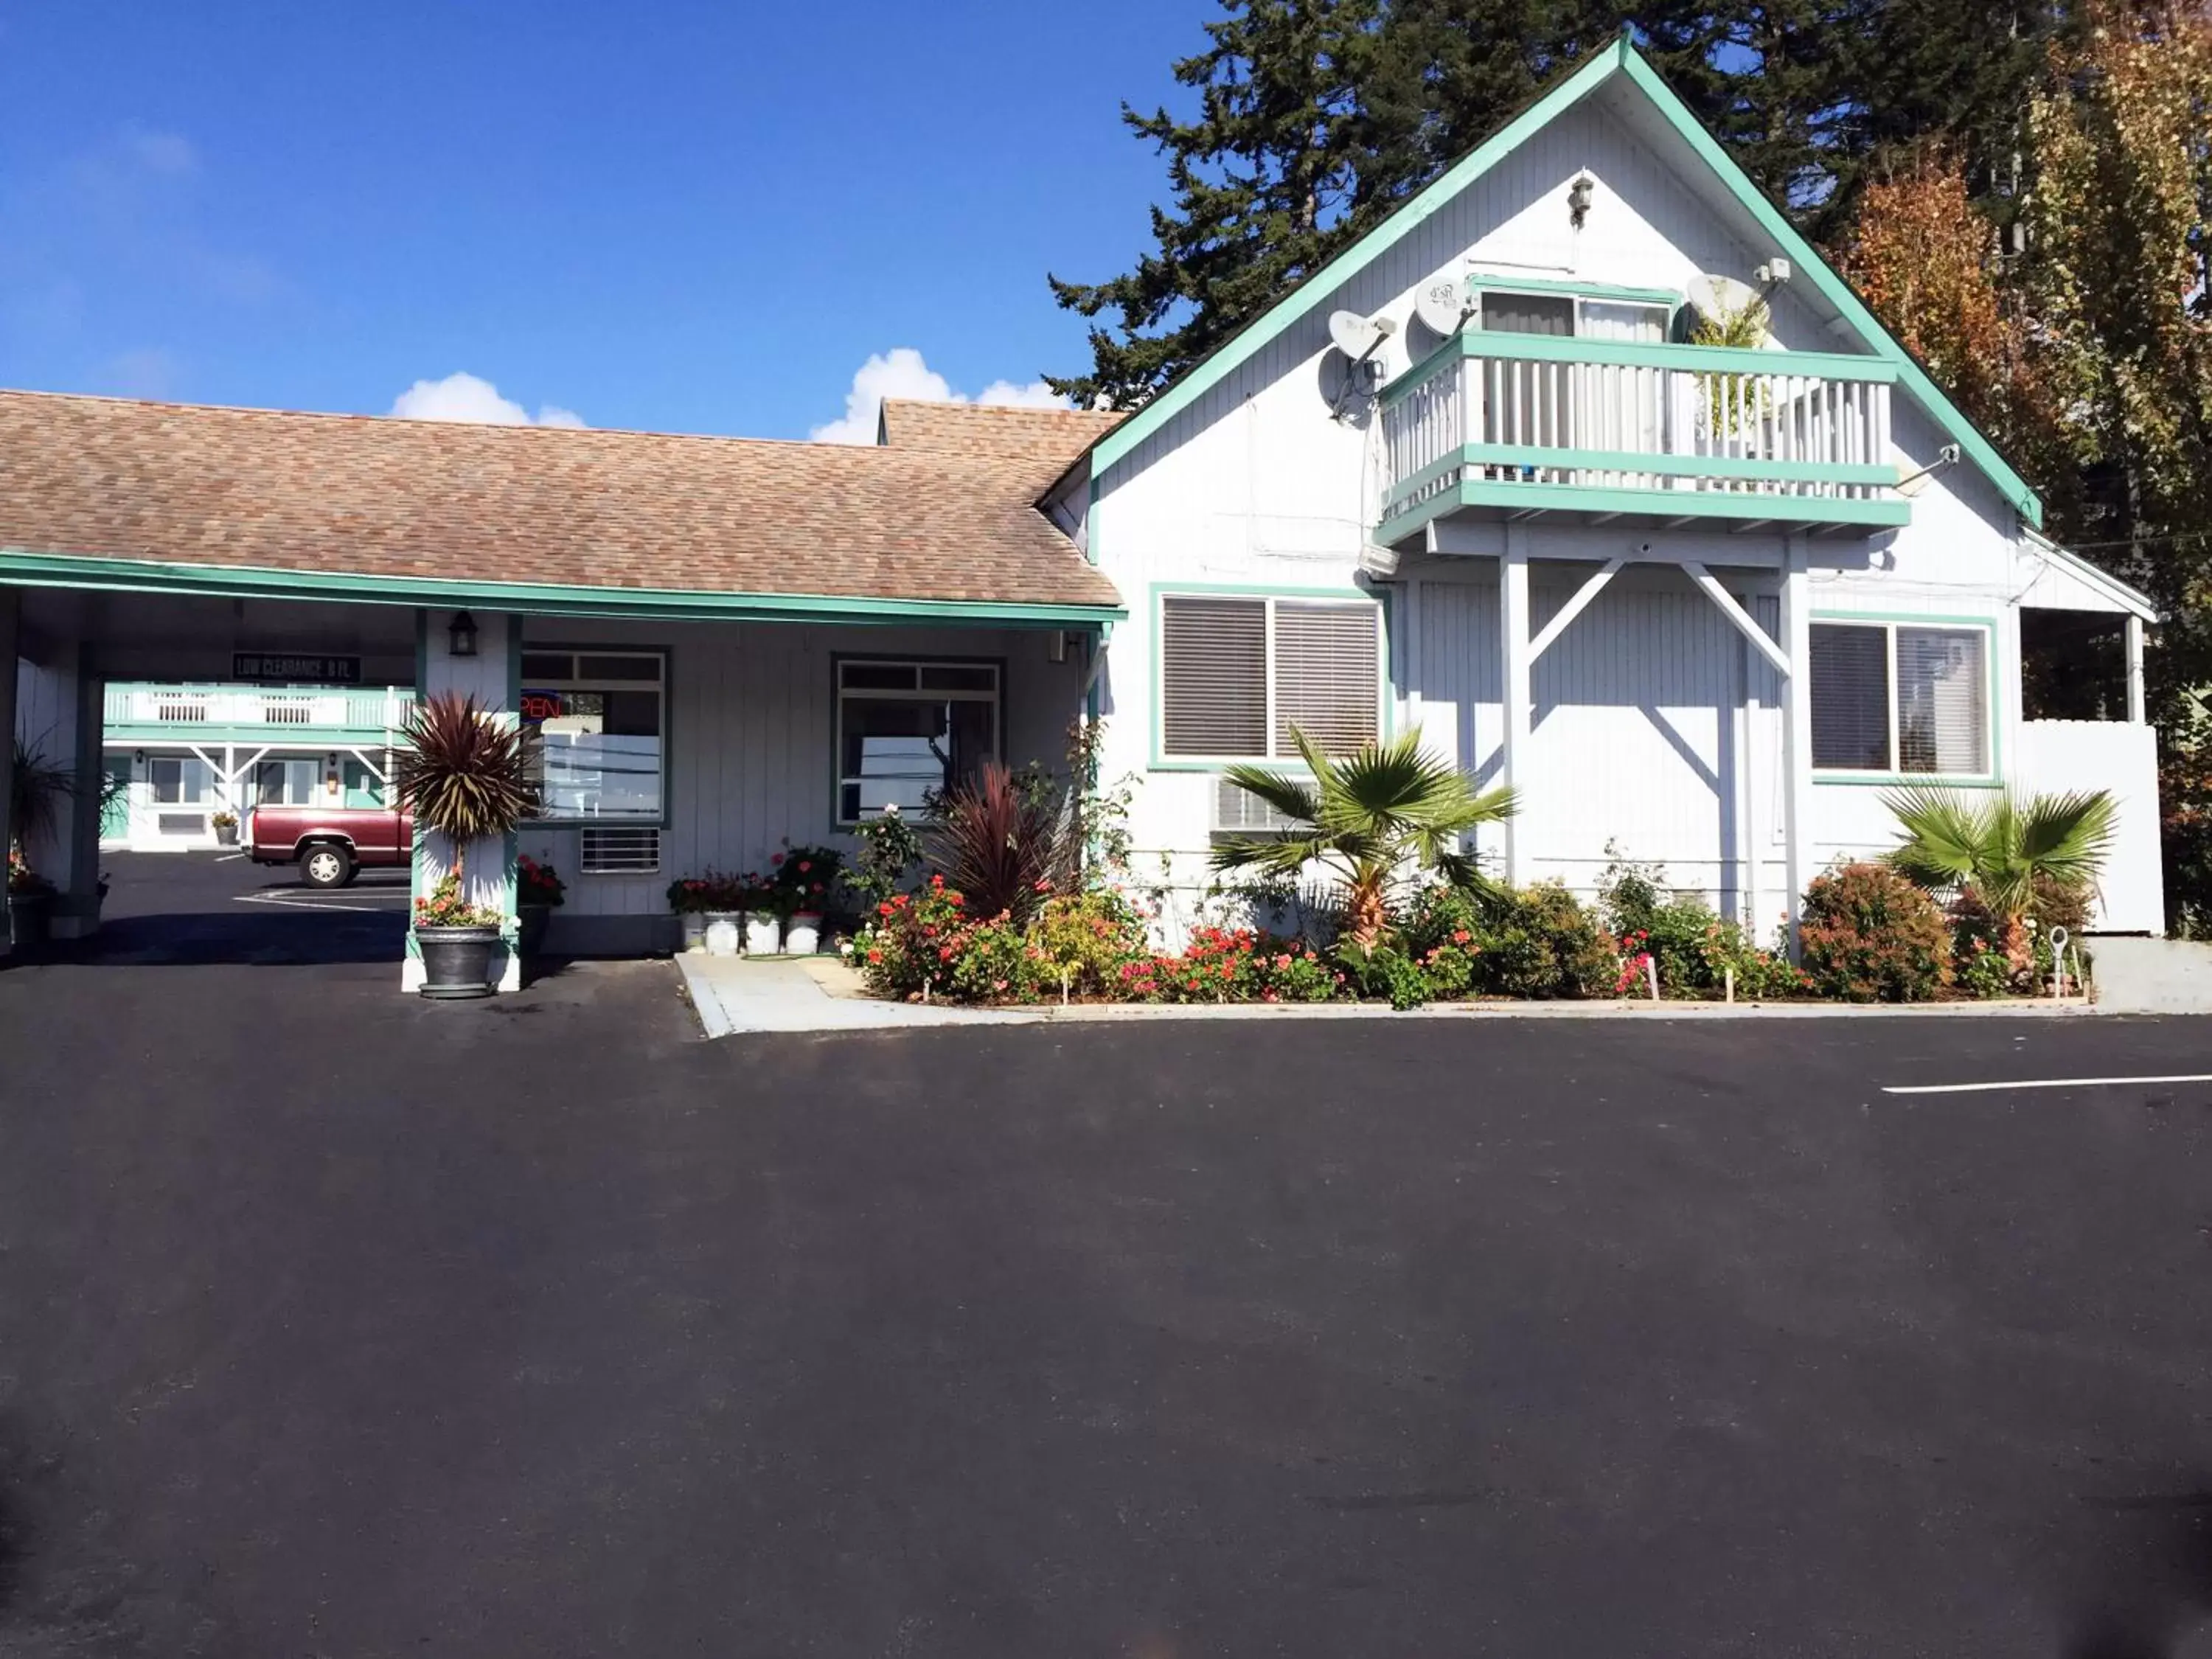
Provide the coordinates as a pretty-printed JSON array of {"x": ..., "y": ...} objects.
[{"x": 1238, "y": 811}]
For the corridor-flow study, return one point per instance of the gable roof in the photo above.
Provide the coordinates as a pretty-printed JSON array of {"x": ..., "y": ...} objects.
[
  {"x": 1044, "y": 440},
  {"x": 397, "y": 507},
  {"x": 1622, "y": 63}
]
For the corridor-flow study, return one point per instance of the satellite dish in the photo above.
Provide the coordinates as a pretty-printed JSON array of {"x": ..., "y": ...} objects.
[
  {"x": 1440, "y": 304},
  {"x": 1356, "y": 336},
  {"x": 1716, "y": 298}
]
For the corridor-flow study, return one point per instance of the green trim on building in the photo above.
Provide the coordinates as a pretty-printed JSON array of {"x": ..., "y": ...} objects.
[{"x": 35, "y": 569}]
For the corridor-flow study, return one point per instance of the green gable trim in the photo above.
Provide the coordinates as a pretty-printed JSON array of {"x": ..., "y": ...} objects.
[
  {"x": 1833, "y": 288},
  {"x": 1209, "y": 372},
  {"x": 1622, "y": 58},
  {"x": 246, "y": 581}
]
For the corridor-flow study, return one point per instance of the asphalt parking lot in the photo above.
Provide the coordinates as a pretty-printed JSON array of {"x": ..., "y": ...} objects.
[
  {"x": 180, "y": 909},
  {"x": 336, "y": 1323}
]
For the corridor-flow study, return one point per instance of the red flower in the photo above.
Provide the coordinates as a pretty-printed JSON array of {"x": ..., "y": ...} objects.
[
  {"x": 804, "y": 867},
  {"x": 945, "y": 953},
  {"x": 1460, "y": 936},
  {"x": 776, "y": 858},
  {"x": 875, "y": 955},
  {"x": 882, "y": 909}
]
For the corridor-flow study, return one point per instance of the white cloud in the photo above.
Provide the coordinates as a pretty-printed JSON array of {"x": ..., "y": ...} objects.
[
  {"x": 901, "y": 373},
  {"x": 463, "y": 397},
  {"x": 160, "y": 152}
]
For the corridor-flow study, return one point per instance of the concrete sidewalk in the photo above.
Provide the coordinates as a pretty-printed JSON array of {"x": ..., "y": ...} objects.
[{"x": 732, "y": 994}]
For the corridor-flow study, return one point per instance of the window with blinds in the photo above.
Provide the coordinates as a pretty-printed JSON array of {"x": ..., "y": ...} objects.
[
  {"x": 1891, "y": 697},
  {"x": 1237, "y": 673}
]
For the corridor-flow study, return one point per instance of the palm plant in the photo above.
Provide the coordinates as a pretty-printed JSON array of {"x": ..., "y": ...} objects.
[
  {"x": 1367, "y": 818},
  {"x": 2002, "y": 846},
  {"x": 467, "y": 776}
]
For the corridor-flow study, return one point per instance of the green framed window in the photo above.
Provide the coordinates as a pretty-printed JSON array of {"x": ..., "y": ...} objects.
[
  {"x": 597, "y": 720},
  {"x": 1238, "y": 671},
  {"x": 909, "y": 728},
  {"x": 1902, "y": 699}
]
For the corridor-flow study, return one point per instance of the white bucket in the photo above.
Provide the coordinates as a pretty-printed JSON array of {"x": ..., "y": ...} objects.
[
  {"x": 802, "y": 935},
  {"x": 763, "y": 932},
  {"x": 721, "y": 934}
]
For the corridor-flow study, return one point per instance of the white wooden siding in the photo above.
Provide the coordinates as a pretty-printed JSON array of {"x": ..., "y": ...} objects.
[{"x": 750, "y": 730}]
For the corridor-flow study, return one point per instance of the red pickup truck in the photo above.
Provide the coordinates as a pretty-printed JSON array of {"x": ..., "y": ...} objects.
[{"x": 331, "y": 844}]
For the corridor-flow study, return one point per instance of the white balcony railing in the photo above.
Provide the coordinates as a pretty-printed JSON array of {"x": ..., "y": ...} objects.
[
  {"x": 1513, "y": 420},
  {"x": 373, "y": 709}
]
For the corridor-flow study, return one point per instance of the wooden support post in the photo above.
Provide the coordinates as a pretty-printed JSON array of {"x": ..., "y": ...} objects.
[
  {"x": 1797, "y": 730},
  {"x": 1514, "y": 664},
  {"x": 2135, "y": 670}
]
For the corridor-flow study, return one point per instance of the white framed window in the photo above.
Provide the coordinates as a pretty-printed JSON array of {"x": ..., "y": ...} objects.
[
  {"x": 285, "y": 783},
  {"x": 598, "y": 722},
  {"x": 910, "y": 728},
  {"x": 1504, "y": 309},
  {"x": 1902, "y": 699},
  {"x": 1237, "y": 672},
  {"x": 181, "y": 779}
]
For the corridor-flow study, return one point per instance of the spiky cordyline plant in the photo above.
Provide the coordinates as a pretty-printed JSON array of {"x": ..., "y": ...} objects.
[
  {"x": 1998, "y": 844},
  {"x": 1366, "y": 818},
  {"x": 466, "y": 774},
  {"x": 1003, "y": 846}
]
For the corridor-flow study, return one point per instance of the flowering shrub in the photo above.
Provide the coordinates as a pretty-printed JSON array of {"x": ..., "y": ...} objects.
[
  {"x": 1869, "y": 935},
  {"x": 908, "y": 947},
  {"x": 1239, "y": 964},
  {"x": 1545, "y": 944},
  {"x": 1087, "y": 940},
  {"x": 444, "y": 906},
  {"x": 890, "y": 847},
  {"x": 538, "y": 884}
]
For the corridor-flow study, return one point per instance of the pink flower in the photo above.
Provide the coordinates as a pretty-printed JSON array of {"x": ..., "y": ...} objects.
[{"x": 776, "y": 858}]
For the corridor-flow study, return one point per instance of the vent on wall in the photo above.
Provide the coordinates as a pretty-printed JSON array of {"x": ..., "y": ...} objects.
[
  {"x": 619, "y": 852},
  {"x": 1238, "y": 811}
]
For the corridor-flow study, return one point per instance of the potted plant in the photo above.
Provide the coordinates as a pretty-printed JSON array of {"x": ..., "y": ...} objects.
[
  {"x": 467, "y": 776},
  {"x": 687, "y": 897},
  {"x": 807, "y": 877},
  {"x": 538, "y": 891},
  {"x": 726, "y": 913},
  {"x": 765, "y": 905},
  {"x": 30, "y": 904},
  {"x": 225, "y": 825}
]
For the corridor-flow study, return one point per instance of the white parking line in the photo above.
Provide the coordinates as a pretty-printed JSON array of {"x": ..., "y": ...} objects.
[
  {"x": 2043, "y": 1083},
  {"x": 311, "y": 904}
]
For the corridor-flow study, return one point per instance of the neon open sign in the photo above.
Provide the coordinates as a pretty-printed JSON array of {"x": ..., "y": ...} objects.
[{"x": 541, "y": 706}]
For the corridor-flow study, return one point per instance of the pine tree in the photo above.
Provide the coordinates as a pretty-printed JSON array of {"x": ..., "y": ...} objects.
[{"x": 1268, "y": 181}]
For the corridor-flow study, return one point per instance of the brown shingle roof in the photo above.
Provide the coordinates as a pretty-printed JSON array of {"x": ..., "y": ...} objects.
[
  {"x": 1047, "y": 439},
  {"x": 367, "y": 496}
]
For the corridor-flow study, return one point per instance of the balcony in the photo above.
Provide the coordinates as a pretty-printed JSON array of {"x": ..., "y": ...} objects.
[
  {"x": 247, "y": 714},
  {"x": 1517, "y": 425}
]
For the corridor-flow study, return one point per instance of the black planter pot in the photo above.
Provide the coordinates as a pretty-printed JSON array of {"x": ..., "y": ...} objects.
[
  {"x": 30, "y": 920},
  {"x": 534, "y": 918},
  {"x": 456, "y": 961}
]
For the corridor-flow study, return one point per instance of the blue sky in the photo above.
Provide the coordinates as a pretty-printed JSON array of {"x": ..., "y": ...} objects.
[{"x": 682, "y": 216}]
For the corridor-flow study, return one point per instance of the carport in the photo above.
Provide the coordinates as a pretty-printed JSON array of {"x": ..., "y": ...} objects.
[{"x": 726, "y": 644}]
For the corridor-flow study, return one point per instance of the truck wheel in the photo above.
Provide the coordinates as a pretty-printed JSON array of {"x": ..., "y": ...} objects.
[{"x": 325, "y": 866}]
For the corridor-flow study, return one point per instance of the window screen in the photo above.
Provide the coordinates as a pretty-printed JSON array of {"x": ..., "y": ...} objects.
[
  {"x": 1942, "y": 681},
  {"x": 1851, "y": 698},
  {"x": 1236, "y": 674},
  {"x": 1213, "y": 664},
  {"x": 1325, "y": 676}
]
